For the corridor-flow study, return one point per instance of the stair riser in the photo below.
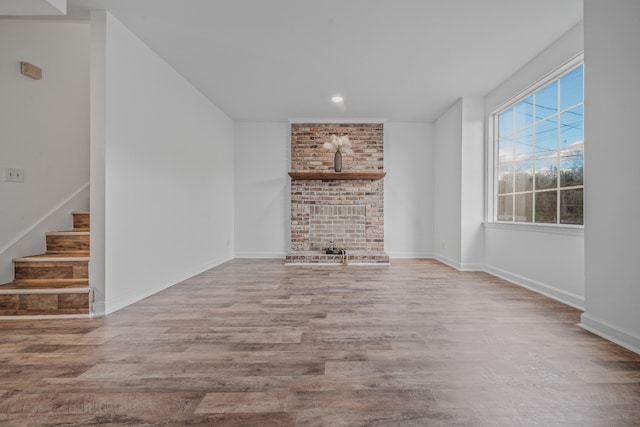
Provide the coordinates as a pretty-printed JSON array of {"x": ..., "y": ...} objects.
[
  {"x": 53, "y": 270},
  {"x": 44, "y": 304},
  {"x": 80, "y": 221},
  {"x": 55, "y": 284},
  {"x": 67, "y": 243}
]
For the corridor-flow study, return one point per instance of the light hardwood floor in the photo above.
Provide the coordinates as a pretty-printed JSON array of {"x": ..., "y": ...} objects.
[{"x": 255, "y": 343}]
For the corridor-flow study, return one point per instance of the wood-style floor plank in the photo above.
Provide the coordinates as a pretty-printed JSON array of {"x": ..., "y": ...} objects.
[{"x": 257, "y": 343}]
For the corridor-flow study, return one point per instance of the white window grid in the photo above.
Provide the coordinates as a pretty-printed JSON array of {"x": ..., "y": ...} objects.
[{"x": 554, "y": 76}]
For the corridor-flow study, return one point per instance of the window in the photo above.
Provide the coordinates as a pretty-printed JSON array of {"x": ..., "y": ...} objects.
[{"x": 539, "y": 145}]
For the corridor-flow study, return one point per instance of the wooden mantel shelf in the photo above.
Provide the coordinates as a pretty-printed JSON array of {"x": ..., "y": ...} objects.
[{"x": 330, "y": 176}]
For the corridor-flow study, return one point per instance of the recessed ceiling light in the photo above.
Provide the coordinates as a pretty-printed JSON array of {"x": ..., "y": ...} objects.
[{"x": 337, "y": 99}]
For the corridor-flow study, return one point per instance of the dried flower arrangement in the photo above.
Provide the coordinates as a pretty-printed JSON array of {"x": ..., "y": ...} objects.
[{"x": 339, "y": 144}]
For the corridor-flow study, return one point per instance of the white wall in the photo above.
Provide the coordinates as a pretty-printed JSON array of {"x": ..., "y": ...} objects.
[
  {"x": 612, "y": 230},
  {"x": 447, "y": 186},
  {"x": 546, "y": 261},
  {"x": 262, "y": 201},
  {"x": 262, "y": 160},
  {"x": 534, "y": 256},
  {"x": 472, "y": 200},
  {"x": 169, "y": 177},
  {"x": 44, "y": 129},
  {"x": 408, "y": 190},
  {"x": 97, "y": 157},
  {"x": 459, "y": 185}
]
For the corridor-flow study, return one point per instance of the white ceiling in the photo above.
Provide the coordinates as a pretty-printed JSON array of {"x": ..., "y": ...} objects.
[{"x": 401, "y": 60}]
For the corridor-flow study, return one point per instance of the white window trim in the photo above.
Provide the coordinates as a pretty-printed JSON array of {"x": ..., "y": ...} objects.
[
  {"x": 566, "y": 229},
  {"x": 492, "y": 158}
]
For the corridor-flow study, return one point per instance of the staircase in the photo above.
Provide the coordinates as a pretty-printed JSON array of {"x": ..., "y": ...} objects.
[{"x": 54, "y": 284}]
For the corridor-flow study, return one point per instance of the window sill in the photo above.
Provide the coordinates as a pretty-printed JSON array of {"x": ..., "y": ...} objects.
[{"x": 569, "y": 230}]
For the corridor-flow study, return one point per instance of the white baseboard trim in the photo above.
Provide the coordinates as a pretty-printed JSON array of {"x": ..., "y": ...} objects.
[
  {"x": 552, "y": 292},
  {"x": 448, "y": 261},
  {"x": 410, "y": 255},
  {"x": 457, "y": 264},
  {"x": 618, "y": 335},
  {"x": 565, "y": 297},
  {"x": 472, "y": 267},
  {"x": 98, "y": 308},
  {"x": 268, "y": 255},
  {"x": 122, "y": 301}
]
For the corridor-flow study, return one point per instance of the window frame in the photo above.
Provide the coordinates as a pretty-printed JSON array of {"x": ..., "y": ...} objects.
[{"x": 492, "y": 152}]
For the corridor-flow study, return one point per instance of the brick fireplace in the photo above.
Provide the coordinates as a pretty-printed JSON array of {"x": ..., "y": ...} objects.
[{"x": 344, "y": 207}]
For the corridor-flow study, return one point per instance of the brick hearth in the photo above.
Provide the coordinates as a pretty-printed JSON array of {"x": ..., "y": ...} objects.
[{"x": 349, "y": 212}]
